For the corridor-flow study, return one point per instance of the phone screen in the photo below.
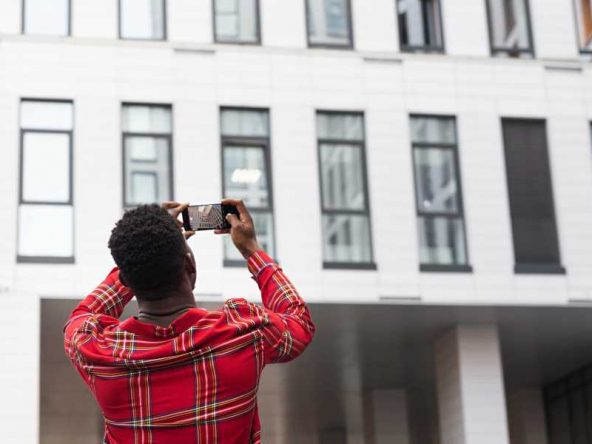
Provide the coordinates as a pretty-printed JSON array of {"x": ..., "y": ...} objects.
[{"x": 207, "y": 217}]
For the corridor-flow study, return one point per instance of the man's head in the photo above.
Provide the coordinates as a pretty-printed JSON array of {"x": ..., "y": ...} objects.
[{"x": 151, "y": 253}]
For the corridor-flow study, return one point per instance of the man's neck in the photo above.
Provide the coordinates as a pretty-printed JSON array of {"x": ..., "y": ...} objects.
[{"x": 164, "y": 311}]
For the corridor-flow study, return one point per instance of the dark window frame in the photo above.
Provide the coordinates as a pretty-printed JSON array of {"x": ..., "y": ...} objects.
[
  {"x": 238, "y": 42},
  {"x": 423, "y": 49},
  {"x": 350, "y": 30},
  {"x": 361, "y": 144},
  {"x": 263, "y": 143},
  {"x": 582, "y": 51},
  {"x": 20, "y": 259},
  {"x": 167, "y": 136},
  {"x": 513, "y": 52},
  {"x": 524, "y": 267},
  {"x": 143, "y": 39},
  {"x": 454, "y": 148},
  {"x": 24, "y": 21}
]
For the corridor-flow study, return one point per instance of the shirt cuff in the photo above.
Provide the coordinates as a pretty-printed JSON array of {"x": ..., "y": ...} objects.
[{"x": 258, "y": 262}]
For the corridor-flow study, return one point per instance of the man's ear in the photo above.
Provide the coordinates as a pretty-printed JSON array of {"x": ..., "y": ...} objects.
[{"x": 189, "y": 263}]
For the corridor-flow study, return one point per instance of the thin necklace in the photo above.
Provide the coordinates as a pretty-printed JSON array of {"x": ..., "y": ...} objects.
[{"x": 170, "y": 313}]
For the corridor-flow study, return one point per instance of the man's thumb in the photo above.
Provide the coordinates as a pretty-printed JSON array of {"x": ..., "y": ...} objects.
[{"x": 232, "y": 220}]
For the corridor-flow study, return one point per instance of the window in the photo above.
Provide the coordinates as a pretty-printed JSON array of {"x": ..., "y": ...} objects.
[
  {"x": 142, "y": 19},
  {"x": 420, "y": 25},
  {"x": 344, "y": 191},
  {"x": 509, "y": 28},
  {"x": 46, "y": 215},
  {"x": 246, "y": 172},
  {"x": 568, "y": 406},
  {"x": 147, "y": 154},
  {"x": 440, "y": 219},
  {"x": 236, "y": 21},
  {"x": 329, "y": 23},
  {"x": 531, "y": 197},
  {"x": 46, "y": 17},
  {"x": 584, "y": 16}
]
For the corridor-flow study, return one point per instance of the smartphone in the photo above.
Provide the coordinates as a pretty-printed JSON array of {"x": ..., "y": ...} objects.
[{"x": 207, "y": 217}]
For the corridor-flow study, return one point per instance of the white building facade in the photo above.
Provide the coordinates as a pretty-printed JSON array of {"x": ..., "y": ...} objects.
[{"x": 421, "y": 169}]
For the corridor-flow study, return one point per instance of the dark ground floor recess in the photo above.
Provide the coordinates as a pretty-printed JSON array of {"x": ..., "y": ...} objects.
[{"x": 405, "y": 374}]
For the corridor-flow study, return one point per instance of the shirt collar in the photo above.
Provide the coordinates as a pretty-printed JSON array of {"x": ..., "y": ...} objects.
[{"x": 178, "y": 326}]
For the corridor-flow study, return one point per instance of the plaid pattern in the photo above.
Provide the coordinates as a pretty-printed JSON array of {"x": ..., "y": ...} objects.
[{"x": 195, "y": 381}]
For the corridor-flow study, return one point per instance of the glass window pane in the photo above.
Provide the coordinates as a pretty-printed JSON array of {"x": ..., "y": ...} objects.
[
  {"x": 46, "y": 231},
  {"x": 340, "y": 126},
  {"x": 236, "y": 21},
  {"x": 346, "y": 238},
  {"x": 143, "y": 149},
  {"x": 441, "y": 241},
  {"x": 46, "y": 115},
  {"x": 584, "y": 10},
  {"x": 248, "y": 123},
  {"x": 245, "y": 176},
  {"x": 146, "y": 119},
  {"x": 342, "y": 179},
  {"x": 328, "y": 22},
  {"x": 46, "y": 167},
  {"x": 435, "y": 180},
  {"x": 47, "y": 17},
  {"x": 263, "y": 221},
  {"x": 142, "y": 19},
  {"x": 433, "y": 130},
  {"x": 509, "y": 24},
  {"x": 144, "y": 187},
  {"x": 147, "y": 181},
  {"x": 419, "y": 23}
]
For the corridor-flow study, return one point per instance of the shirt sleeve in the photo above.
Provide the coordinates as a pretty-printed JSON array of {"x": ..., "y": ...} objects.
[
  {"x": 100, "y": 309},
  {"x": 288, "y": 328}
]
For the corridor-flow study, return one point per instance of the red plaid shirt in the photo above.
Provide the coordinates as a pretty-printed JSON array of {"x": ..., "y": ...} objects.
[{"x": 195, "y": 381}]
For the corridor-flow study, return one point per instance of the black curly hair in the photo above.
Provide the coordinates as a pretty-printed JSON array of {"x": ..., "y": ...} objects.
[{"x": 149, "y": 250}]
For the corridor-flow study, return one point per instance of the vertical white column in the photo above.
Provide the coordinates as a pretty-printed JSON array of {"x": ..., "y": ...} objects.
[{"x": 471, "y": 397}]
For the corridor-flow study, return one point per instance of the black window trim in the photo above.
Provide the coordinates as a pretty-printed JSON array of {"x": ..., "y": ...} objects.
[
  {"x": 24, "y": 21},
  {"x": 143, "y": 39},
  {"x": 21, "y": 259},
  {"x": 350, "y": 30},
  {"x": 460, "y": 214},
  {"x": 168, "y": 136},
  {"x": 582, "y": 51},
  {"x": 494, "y": 51},
  {"x": 531, "y": 268},
  {"x": 256, "y": 142},
  {"x": 423, "y": 49},
  {"x": 257, "y": 42},
  {"x": 361, "y": 144}
]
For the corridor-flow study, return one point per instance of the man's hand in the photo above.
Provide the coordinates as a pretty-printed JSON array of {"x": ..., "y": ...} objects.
[
  {"x": 242, "y": 230},
  {"x": 174, "y": 209}
]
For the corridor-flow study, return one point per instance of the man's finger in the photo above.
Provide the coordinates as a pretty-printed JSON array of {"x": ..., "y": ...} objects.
[
  {"x": 188, "y": 234},
  {"x": 221, "y": 231},
  {"x": 232, "y": 220},
  {"x": 179, "y": 209},
  {"x": 240, "y": 206},
  {"x": 167, "y": 205}
]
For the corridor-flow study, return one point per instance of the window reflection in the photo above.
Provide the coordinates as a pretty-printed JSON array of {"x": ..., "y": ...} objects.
[
  {"x": 509, "y": 27},
  {"x": 245, "y": 154},
  {"x": 328, "y": 22},
  {"x": 142, "y": 19}
]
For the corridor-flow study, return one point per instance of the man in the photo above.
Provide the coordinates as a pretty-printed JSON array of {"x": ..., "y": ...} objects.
[{"x": 177, "y": 373}]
